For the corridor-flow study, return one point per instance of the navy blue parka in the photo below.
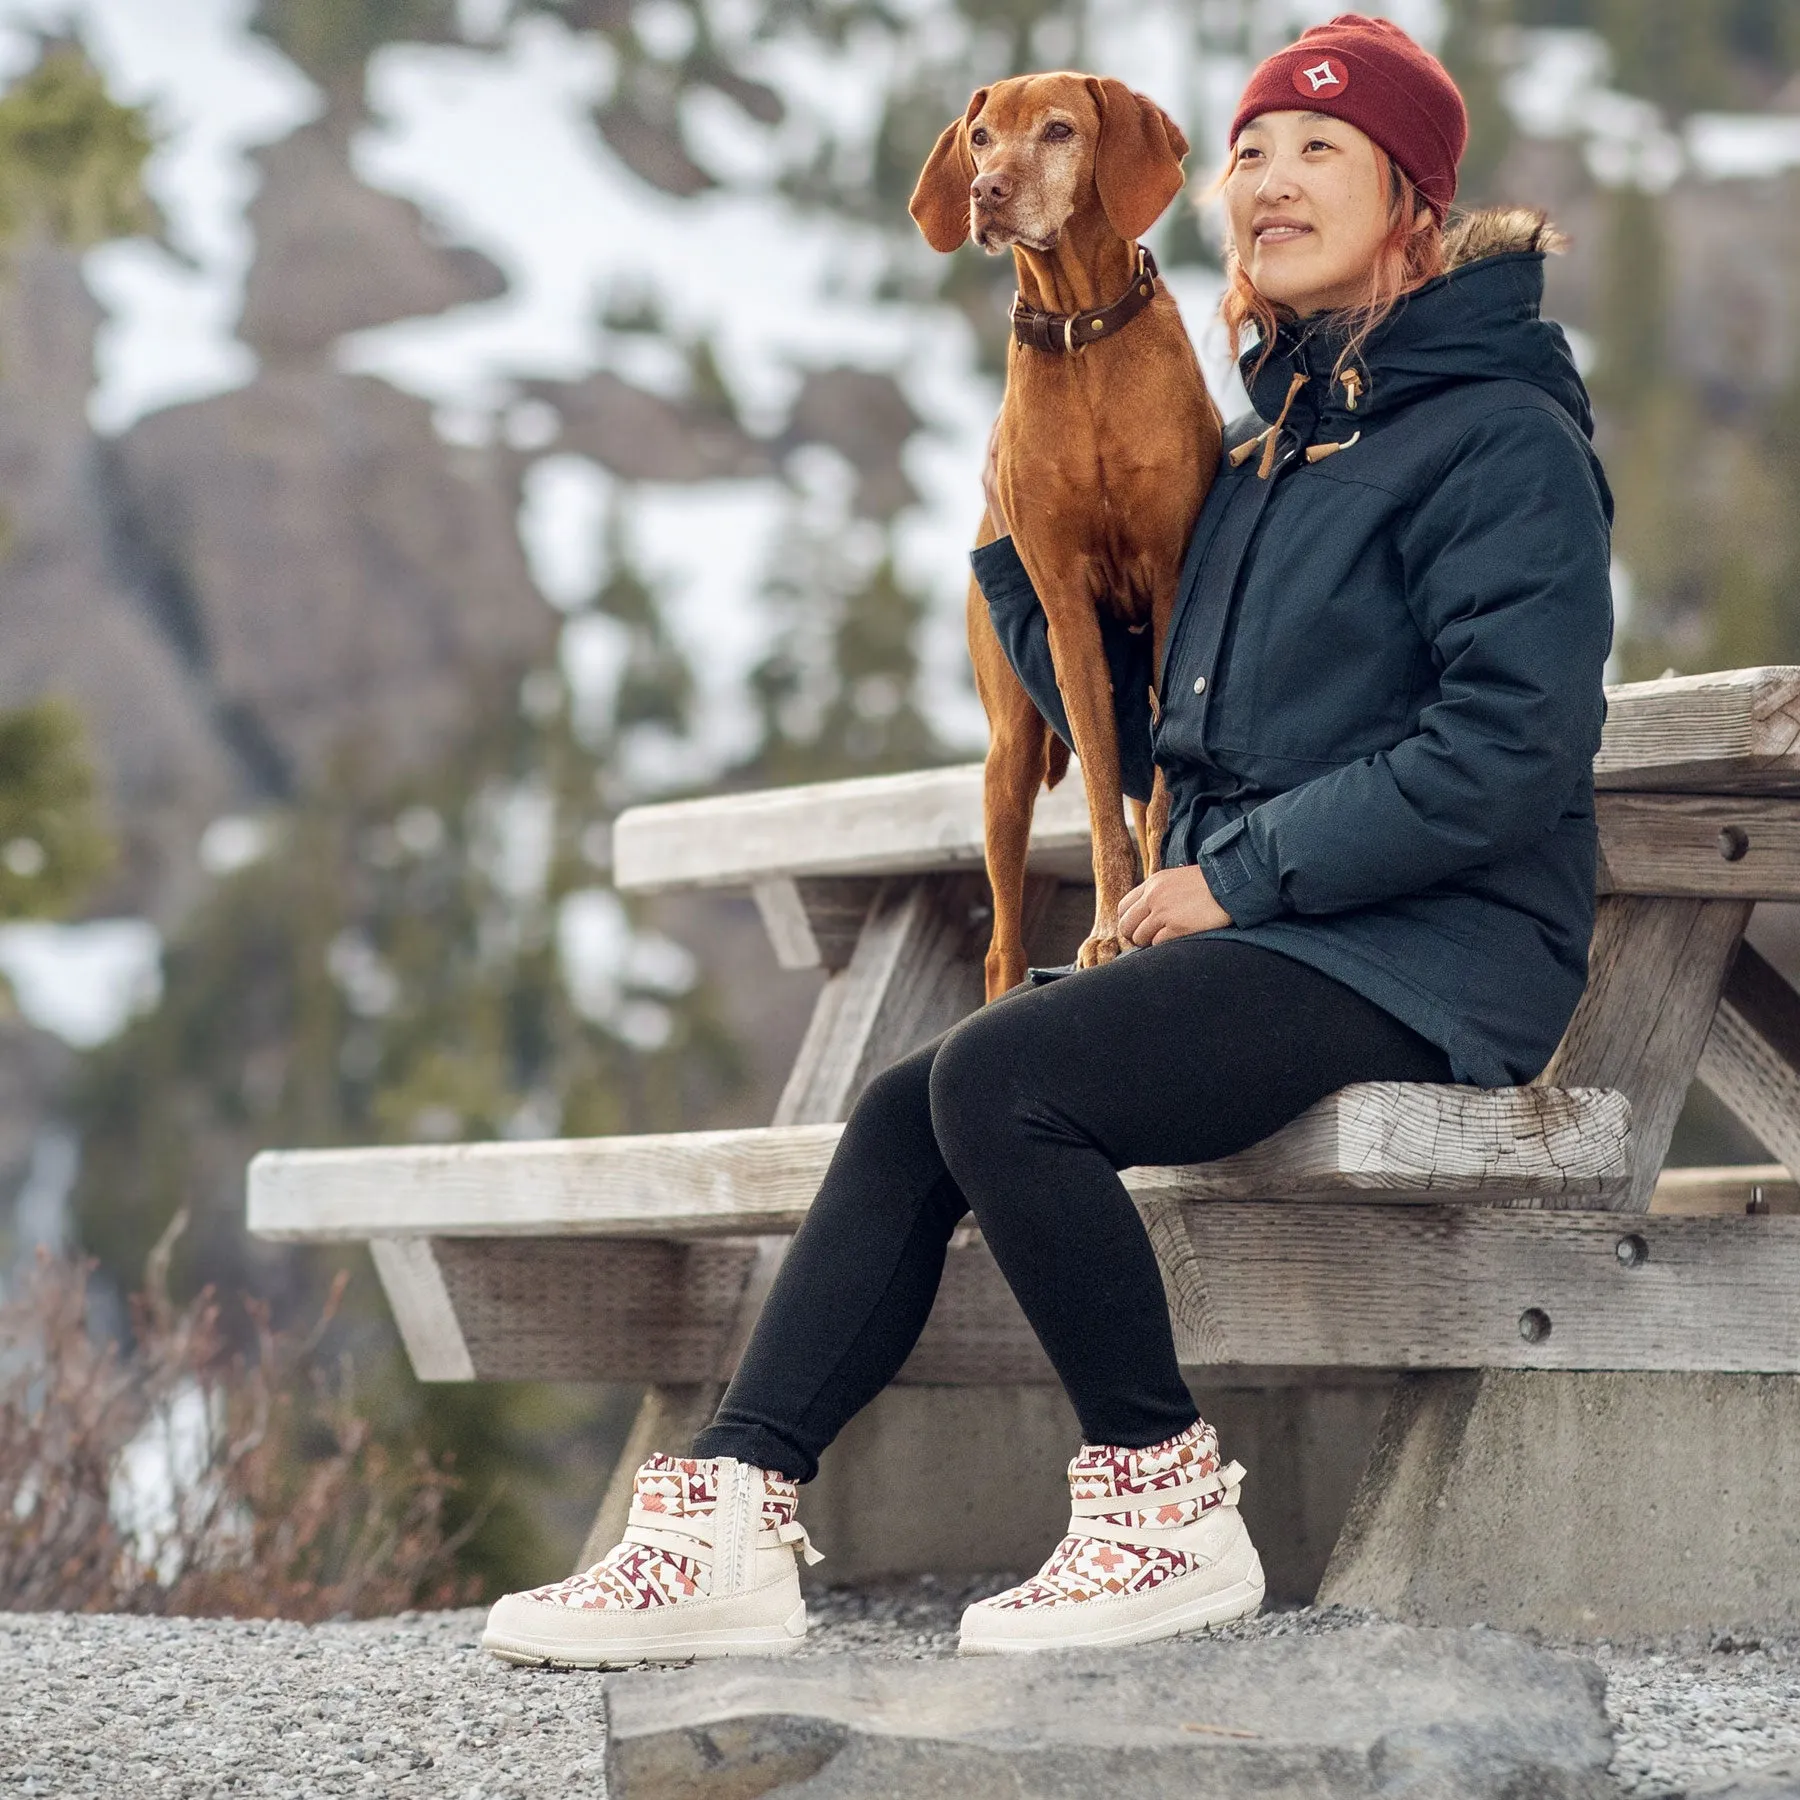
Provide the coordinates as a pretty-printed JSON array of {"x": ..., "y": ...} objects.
[{"x": 1381, "y": 695}]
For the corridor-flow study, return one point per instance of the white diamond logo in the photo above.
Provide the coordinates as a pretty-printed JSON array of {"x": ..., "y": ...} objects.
[{"x": 1323, "y": 76}]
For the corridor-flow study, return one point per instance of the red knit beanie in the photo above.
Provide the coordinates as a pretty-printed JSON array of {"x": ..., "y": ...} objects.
[{"x": 1370, "y": 74}]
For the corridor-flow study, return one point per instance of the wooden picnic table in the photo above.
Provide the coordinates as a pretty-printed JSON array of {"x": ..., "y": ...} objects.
[{"x": 1418, "y": 1228}]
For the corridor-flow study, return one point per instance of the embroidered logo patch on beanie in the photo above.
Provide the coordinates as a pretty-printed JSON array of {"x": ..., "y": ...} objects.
[{"x": 1326, "y": 76}]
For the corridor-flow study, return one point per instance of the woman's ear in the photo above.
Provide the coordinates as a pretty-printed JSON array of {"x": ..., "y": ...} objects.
[
  {"x": 1137, "y": 167},
  {"x": 940, "y": 203}
]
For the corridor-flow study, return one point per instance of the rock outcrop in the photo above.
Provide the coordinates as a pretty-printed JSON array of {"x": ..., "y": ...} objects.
[
  {"x": 237, "y": 588},
  {"x": 72, "y": 620}
]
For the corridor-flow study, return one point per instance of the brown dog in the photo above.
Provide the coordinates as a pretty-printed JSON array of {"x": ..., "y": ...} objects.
[{"x": 1106, "y": 444}]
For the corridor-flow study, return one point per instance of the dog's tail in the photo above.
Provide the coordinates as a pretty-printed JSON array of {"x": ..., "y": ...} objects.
[{"x": 1056, "y": 759}]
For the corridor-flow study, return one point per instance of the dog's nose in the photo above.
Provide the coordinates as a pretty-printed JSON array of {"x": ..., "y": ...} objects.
[{"x": 991, "y": 189}]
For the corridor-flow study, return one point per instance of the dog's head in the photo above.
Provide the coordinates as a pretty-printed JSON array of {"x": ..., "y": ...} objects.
[{"x": 1032, "y": 153}]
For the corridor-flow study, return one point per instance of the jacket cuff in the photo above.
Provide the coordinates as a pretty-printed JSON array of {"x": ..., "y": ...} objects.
[
  {"x": 1238, "y": 881},
  {"x": 1001, "y": 576}
]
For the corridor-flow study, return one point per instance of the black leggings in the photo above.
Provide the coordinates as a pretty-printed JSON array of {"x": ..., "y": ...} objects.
[{"x": 1023, "y": 1114}]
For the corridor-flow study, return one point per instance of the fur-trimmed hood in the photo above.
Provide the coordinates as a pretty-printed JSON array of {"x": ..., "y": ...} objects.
[
  {"x": 1478, "y": 321},
  {"x": 1500, "y": 231}
]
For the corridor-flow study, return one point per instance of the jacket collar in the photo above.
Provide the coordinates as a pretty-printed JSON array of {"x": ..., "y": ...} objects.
[{"x": 1478, "y": 321}]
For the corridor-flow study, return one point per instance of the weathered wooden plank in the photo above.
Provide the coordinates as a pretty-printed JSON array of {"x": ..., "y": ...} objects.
[
  {"x": 1387, "y": 1138},
  {"x": 545, "y": 1309},
  {"x": 423, "y": 1309},
  {"x": 1727, "y": 1191},
  {"x": 719, "y": 1181},
  {"x": 1700, "y": 846},
  {"x": 815, "y": 923},
  {"x": 1736, "y": 732},
  {"x": 1752, "y": 1056},
  {"x": 1391, "y": 1138},
  {"x": 1307, "y": 1285},
  {"x": 1474, "y": 1287},
  {"x": 915, "y": 971},
  {"x": 1655, "y": 971},
  {"x": 920, "y": 823}
]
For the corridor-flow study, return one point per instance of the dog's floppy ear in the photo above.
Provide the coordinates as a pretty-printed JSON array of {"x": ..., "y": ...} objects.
[
  {"x": 1137, "y": 166},
  {"x": 940, "y": 203}
]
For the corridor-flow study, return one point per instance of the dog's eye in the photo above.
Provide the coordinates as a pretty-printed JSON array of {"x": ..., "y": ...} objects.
[
  {"x": 1056, "y": 131},
  {"x": 978, "y": 137}
]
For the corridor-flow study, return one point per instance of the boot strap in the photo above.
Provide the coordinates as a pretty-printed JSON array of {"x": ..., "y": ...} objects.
[
  {"x": 694, "y": 1536},
  {"x": 793, "y": 1533},
  {"x": 1197, "y": 1534},
  {"x": 1226, "y": 1481}
]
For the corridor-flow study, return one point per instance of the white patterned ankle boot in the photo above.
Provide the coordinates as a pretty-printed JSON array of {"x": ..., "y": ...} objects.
[
  {"x": 706, "y": 1568},
  {"x": 1155, "y": 1548}
]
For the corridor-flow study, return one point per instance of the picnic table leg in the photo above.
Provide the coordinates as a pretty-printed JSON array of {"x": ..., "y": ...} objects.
[
  {"x": 914, "y": 970},
  {"x": 1596, "y": 1503}
]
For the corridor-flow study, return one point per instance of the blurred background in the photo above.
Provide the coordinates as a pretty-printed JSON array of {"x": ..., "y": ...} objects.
[{"x": 430, "y": 426}]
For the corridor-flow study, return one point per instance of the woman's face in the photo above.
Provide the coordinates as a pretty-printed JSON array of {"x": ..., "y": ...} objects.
[{"x": 1308, "y": 205}]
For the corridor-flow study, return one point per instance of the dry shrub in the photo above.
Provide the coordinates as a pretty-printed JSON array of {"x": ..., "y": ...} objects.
[{"x": 177, "y": 1476}]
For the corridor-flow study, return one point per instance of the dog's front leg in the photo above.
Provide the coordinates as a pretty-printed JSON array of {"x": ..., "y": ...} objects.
[
  {"x": 1081, "y": 674},
  {"x": 1162, "y": 611},
  {"x": 1018, "y": 739}
]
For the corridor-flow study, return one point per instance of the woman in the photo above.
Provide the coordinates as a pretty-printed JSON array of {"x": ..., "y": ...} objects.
[{"x": 1379, "y": 707}]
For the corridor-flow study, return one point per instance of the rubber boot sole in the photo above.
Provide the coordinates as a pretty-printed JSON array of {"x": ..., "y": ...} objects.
[
  {"x": 1145, "y": 1625},
  {"x": 623, "y": 1650}
]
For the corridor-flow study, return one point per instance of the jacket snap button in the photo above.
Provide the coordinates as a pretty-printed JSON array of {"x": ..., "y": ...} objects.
[{"x": 1199, "y": 684}]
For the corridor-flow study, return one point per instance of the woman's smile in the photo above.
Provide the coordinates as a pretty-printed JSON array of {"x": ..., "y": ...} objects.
[{"x": 1279, "y": 231}]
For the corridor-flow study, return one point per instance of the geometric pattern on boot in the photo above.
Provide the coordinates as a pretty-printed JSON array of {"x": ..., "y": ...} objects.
[
  {"x": 1154, "y": 1547},
  {"x": 646, "y": 1570},
  {"x": 706, "y": 1568},
  {"x": 1088, "y": 1563}
]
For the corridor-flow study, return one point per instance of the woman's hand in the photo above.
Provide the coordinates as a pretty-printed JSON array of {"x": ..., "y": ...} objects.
[
  {"x": 1172, "y": 903},
  {"x": 990, "y": 484}
]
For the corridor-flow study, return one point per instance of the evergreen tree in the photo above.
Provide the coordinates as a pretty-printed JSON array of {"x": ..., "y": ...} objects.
[
  {"x": 71, "y": 157},
  {"x": 52, "y": 844},
  {"x": 71, "y": 171}
]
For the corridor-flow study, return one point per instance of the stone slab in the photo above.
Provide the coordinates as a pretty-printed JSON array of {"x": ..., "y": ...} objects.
[
  {"x": 1394, "y": 1711},
  {"x": 1600, "y": 1505}
]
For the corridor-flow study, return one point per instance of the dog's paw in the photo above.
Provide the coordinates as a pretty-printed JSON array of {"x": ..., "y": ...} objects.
[{"x": 1097, "y": 950}]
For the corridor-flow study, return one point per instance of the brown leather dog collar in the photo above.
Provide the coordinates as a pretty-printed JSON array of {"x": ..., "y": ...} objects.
[{"x": 1064, "y": 333}]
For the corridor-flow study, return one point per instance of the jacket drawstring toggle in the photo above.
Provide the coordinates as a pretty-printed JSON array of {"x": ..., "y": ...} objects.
[
  {"x": 1319, "y": 452},
  {"x": 1268, "y": 439}
]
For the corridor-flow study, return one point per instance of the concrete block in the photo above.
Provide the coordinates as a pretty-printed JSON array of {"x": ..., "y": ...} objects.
[
  {"x": 1580, "y": 1505},
  {"x": 1389, "y": 1711},
  {"x": 913, "y": 1486}
]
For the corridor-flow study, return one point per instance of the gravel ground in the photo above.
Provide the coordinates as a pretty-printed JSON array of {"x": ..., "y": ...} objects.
[{"x": 410, "y": 1706}]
